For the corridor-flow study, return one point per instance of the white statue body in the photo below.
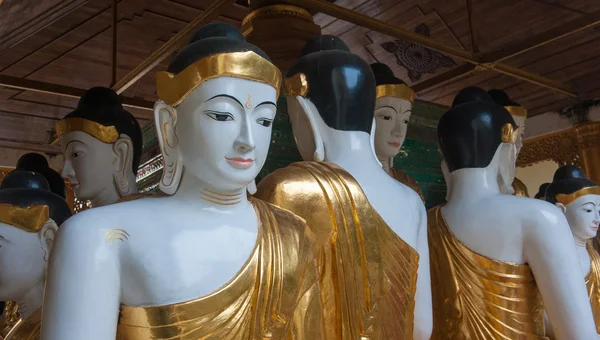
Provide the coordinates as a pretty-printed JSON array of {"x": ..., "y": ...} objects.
[
  {"x": 521, "y": 230},
  {"x": 157, "y": 251},
  {"x": 391, "y": 117},
  {"x": 353, "y": 151}
]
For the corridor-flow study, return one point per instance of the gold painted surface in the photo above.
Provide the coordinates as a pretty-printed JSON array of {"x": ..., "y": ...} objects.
[
  {"x": 592, "y": 281},
  {"x": 173, "y": 88},
  {"x": 520, "y": 188},
  {"x": 30, "y": 219},
  {"x": 106, "y": 134},
  {"x": 28, "y": 329},
  {"x": 275, "y": 11},
  {"x": 567, "y": 199},
  {"x": 273, "y": 296},
  {"x": 401, "y": 91},
  {"x": 11, "y": 318},
  {"x": 368, "y": 274},
  {"x": 296, "y": 85},
  {"x": 405, "y": 179},
  {"x": 516, "y": 111},
  {"x": 478, "y": 298},
  {"x": 509, "y": 133}
]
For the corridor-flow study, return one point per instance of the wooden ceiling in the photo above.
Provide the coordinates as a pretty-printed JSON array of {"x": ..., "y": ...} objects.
[{"x": 66, "y": 45}]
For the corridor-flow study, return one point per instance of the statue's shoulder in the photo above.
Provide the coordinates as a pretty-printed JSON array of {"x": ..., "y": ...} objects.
[{"x": 407, "y": 180}]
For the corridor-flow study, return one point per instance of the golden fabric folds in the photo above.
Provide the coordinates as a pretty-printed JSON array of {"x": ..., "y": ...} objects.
[
  {"x": 405, "y": 179},
  {"x": 173, "y": 88},
  {"x": 368, "y": 274},
  {"x": 520, "y": 188},
  {"x": 30, "y": 219},
  {"x": 274, "y": 295},
  {"x": 592, "y": 281},
  {"x": 567, "y": 199},
  {"x": 106, "y": 134},
  {"x": 401, "y": 91},
  {"x": 477, "y": 298},
  {"x": 27, "y": 329}
]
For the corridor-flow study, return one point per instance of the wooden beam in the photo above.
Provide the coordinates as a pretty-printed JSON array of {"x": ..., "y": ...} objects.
[
  {"x": 29, "y": 146},
  {"x": 474, "y": 47},
  {"x": 444, "y": 78},
  {"x": 113, "y": 60},
  {"x": 65, "y": 91},
  {"x": 211, "y": 13}
]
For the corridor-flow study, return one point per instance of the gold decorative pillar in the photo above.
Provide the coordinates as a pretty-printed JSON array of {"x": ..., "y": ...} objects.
[{"x": 588, "y": 142}]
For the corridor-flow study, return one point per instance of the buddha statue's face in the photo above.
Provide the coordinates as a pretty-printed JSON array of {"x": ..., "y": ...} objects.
[
  {"x": 520, "y": 121},
  {"x": 89, "y": 164},
  {"x": 583, "y": 217},
  {"x": 223, "y": 130},
  {"x": 391, "y": 117}
]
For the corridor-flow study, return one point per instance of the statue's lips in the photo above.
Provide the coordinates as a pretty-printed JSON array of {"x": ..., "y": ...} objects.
[
  {"x": 73, "y": 186},
  {"x": 394, "y": 144},
  {"x": 595, "y": 228},
  {"x": 240, "y": 162}
]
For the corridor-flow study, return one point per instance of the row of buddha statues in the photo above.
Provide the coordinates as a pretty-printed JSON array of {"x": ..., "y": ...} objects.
[{"x": 338, "y": 246}]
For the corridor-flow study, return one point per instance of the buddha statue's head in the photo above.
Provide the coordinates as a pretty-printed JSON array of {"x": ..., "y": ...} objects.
[
  {"x": 392, "y": 112},
  {"x": 29, "y": 218},
  {"x": 541, "y": 194},
  {"x": 216, "y": 108},
  {"x": 578, "y": 198},
  {"x": 518, "y": 112},
  {"x": 478, "y": 133},
  {"x": 329, "y": 91},
  {"x": 102, "y": 146},
  {"x": 38, "y": 163}
]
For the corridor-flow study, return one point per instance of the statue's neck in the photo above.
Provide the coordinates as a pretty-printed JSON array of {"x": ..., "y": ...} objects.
[
  {"x": 472, "y": 184},
  {"x": 352, "y": 151},
  {"x": 193, "y": 190},
  {"x": 31, "y": 300},
  {"x": 386, "y": 163},
  {"x": 107, "y": 196}
]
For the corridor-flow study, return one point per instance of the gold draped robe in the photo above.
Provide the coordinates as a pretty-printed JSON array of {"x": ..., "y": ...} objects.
[
  {"x": 520, "y": 188},
  {"x": 592, "y": 281},
  {"x": 368, "y": 273},
  {"x": 26, "y": 329},
  {"x": 405, "y": 179},
  {"x": 273, "y": 296},
  {"x": 478, "y": 298}
]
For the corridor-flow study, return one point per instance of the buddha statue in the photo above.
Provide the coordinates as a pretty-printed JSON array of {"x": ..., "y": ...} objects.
[
  {"x": 490, "y": 271},
  {"x": 374, "y": 265},
  {"x": 392, "y": 114},
  {"x": 519, "y": 114},
  {"x": 38, "y": 163},
  {"x": 29, "y": 218},
  {"x": 102, "y": 148},
  {"x": 579, "y": 199},
  {"x": 204, "y": 261},
  {"x": 541, "y": 194}
]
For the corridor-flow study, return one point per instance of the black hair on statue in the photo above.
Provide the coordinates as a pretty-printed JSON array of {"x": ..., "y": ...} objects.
[
  {"x": 501, "y": 98},
  {"x": 103, "y": 106},
  {"x": 384, "y": 75},
  {"x": 213, "y": 38},
  {"x": 542, "y": 191},
  {"x": 38, "y": 163},
  {"x": 341, "y": 84},
  {"x": 471, "y": 131},
  {"x": 25, "y": 188},
  {"x": 567, "y": 179}
]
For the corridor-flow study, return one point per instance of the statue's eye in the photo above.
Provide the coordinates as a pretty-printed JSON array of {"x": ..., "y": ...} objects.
[
  {"x": 386, "y": 117},
  {"x": 76, "y": 154},
  {"x": 406, "y": 121},
  {"x": 219, "y": 116},
  {"x": 264, "y": 122}
]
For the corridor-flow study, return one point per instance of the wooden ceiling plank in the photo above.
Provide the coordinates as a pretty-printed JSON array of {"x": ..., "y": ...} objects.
[
  {"x": 30, "y": 146},
  {"x": 442, "y": 79}
]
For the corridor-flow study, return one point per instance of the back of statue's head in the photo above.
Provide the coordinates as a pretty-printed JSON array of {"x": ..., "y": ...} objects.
[
  {"x": 38, "y": 163},
  {"x": 471, "y": 131},
  {"x": 542, "y": 191},
  {"x": 341, "y": 84},
  {"x": 567, "y": 180},
  {"x": 384, "y": 75}
]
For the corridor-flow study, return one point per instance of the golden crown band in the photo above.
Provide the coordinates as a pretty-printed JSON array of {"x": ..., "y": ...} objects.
[
  {"x": 516, "y": 111},
  {"x": 106, "y": 134},
  {"x": 397, "y": 91},
  {"x": 296, "y": 85},
  {"x": 567, "y": 199},
  {"x": 174, "y": 88},
  {"x": 509, "y": 133},
  {"x": 30, "y": 219}
]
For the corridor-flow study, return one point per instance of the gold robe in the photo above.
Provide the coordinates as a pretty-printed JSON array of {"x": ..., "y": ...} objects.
[
  {"x": 520, "y": 188},
  {"x": 405, "y": 179},
  {"x": 26, "y": 329},
  {"x": 592, "y": 281},
  {"x": 273, "y": 296},
  {"x": 368, "y": 273},
  {"x": 478, "y": 298}
]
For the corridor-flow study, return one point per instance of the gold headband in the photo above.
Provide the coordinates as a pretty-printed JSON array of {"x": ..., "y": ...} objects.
[
  {"x": 567, "y": 199},
  {"x": 509, "y": 133},
  {"x": 106, "y": 134},
  {"x": 296, "y": 85},
  {"x": 397, "y": 91},
  {"x": 30, "y": 219},
  {"x": 516, "y": 111},
  {"x": 173, "y": 88}
]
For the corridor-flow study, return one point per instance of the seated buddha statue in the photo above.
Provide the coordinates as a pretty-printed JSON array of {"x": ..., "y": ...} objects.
[
  {"x": 102, "y": 148},
  {"x": 392, "y": 114},
  {"x": 519, "y": 114},
  {"x": 204, "y": 261},
  {"x": 579, "y": 199},
  {"x": 38, "y": 163},
  {"x": 375, "y": 272},
  {"x": 490, "y": 271},
  {"x": 29, "y": 218}
]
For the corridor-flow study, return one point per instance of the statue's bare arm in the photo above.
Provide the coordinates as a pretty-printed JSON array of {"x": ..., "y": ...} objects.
[{"x": 423, "y": 321}]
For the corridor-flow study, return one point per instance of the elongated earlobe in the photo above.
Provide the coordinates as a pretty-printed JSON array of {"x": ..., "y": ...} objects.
[
  {"x": 372, "y": 141},
  {"x": 165, "y": 118},
  {"x": 123, "y": 149},
  {"x": 46, "y": 235},
  {"x": 562, "y": 207},
  {"x": 251, "y": 187},
  {"x": 319, "y": 154}
]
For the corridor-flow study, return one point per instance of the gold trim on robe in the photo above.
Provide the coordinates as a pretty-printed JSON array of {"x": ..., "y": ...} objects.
[
  {"x": 368, "y": 273},
  {"x": 274, "y": 295},
  {"x": 478, "y": 298},
  {"x": 27, "y": 329},
  {"x": 405, "y": 179},
  {"x": 520, "y": 188},
  {"x": 592, "y": 281}
]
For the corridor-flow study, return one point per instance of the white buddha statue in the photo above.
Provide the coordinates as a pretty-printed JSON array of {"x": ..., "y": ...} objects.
[
  {"x": 206, "y": 261},
  {"x": 375, "y": 280},
  {"x": 102, "y": 148},
  {"x": 29, "y": 218},
  {"x": 495, "y": 256},
  {"x": 392, "y": 115}
]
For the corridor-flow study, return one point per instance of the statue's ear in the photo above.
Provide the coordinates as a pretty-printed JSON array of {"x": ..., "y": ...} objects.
[
  {"x": 562, "y": 207},
  {"x": 165, "y": 118},
  {"x": 311, "y": 114},
  {"x": 123, "y": 149},
  {"x": 46, "y": 235},
  {"x": 505, "y": 175}
]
